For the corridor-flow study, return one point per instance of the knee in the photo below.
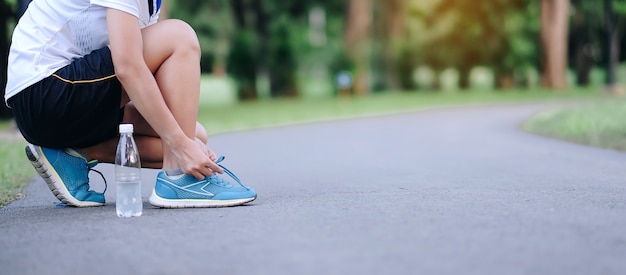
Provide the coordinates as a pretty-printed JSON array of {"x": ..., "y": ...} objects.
[
  {"x": 184, "y": 35},
  {"x": 201, "y": 133}
]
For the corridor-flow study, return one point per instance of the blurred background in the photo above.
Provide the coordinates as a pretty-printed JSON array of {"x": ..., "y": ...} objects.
[
  {"x": 255, "y": 50},
  {"x": 271, "y": 63}
]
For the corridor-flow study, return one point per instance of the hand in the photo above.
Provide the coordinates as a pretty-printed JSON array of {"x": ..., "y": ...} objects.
[
  {"x": 194, "y": 158},
  {"x": 206, "y": 148},
  {"x": 212, "y": 154}
]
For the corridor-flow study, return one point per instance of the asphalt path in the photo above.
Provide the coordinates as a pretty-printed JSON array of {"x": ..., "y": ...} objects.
[{"x": 447, "y": 191}]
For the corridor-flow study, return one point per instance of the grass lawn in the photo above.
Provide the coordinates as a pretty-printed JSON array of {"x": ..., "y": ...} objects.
[
  {"x": 277, "y": 112},
  {"x": 15, "y": 170},
  {"x": 228, "y": 116},
  {"x": 600, "y": 123}
]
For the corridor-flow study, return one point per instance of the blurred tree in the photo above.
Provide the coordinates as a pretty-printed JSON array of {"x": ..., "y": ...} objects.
[
  {"x": 494, "y": 33},
  {"x": 248, "y": 47},
  {"x": 7, "y": 14},
  {"x": 260, "y": 44},
  {"x": 423, "y": 43},
  {"x": 554, "y": 19},
  {"x": 613, "y": 49},
  {"x": 519, "y": 44},
  {"x": 616, "y": 10},
  {"x": 388, "y": 36},
  {"x": 213, "y": 23},
  {"x": 596, "y": 38},
  {"x": 357, "y": 42},
  {"x": 242, "y": 63},
  {"x": 279, "y": 40},
  {"x": 470, "y": 35},
  {"x": 270, "y": 46},
  {"x": 614, "y": 13},
  {"x": 584, "y": 42},
  {"x": 307, "y": 35}
]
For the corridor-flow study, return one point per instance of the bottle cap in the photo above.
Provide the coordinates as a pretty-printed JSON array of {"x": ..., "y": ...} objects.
[{"x": 126, "y": 128}]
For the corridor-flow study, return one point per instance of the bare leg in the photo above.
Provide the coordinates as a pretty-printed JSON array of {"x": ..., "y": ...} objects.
[
  {"x": 172, "y": 53},
  {"x": 150, "y": 145}
]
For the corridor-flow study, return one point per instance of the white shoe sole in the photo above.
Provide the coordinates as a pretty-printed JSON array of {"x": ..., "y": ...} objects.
[
  {"x": 52, "y": 179},
  {"x": 188, "y": 203}
]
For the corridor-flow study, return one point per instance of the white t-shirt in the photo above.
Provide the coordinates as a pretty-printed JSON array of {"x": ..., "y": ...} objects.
[{"x": 52, "y": 33}]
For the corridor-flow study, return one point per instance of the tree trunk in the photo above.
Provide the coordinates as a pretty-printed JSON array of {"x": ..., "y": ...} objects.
[
  {"x": 583, "y": 49},
  {"x": 242, "y": 59},
  {"x": 584, "y": 63},
  {"x": 263, "y": 71},
  {"x": 436, "y": 85},
  {"x": 554, "y": 41},
  {"x": 394, "y": 17},
  {"x": 357, "y": 41},
  {"x": 613, "y": 44},
  {"x": 239, "y": 13},
  {"x": 505, "y": 81},
  {"x": 464, "y": 77}
]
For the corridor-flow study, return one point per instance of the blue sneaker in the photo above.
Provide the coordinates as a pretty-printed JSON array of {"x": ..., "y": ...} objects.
[
  {"x": 187, "y": 191},
  {"x": 66, "y": 175}
]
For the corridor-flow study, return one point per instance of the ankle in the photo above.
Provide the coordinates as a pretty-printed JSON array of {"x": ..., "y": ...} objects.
[
  {"x": 77, "y": 153},
  {"x": 173, "y": 173}
]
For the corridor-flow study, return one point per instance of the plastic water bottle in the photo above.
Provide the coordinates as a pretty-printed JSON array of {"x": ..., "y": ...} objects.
[{"x": 128, "y": 202}]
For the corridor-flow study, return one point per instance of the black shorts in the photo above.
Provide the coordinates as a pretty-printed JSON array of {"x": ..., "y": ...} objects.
[{"x": 76, "y": 107}]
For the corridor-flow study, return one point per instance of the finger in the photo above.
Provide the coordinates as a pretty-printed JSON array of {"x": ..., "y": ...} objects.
[
  {"x": 212, "y": 156},
  {"x": 215, "y": 168},
  {"x": 197, "y": 175}
]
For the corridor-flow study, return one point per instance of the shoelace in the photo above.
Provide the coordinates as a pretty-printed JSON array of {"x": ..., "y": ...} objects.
[
  {"x": 214, "y": 179},
  {"x": 228, "y": 172},
  {"x": 218, "y": 180},
  {"x": 92, "y": 164}
]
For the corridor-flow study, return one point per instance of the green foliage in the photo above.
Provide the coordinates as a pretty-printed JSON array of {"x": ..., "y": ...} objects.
[
  {"x": 213, "y": 23},
  {"x": 521, "y": 36},
  {"x": 282, "y": 63},
  {"x": 443, "y": 34},
  {"x": 10, "y": 3},
  {"x": 498, "y": 34},
  {"x": 407, "y": 63},
  {"x": 620, "y": 7},
  {"x": 440, "y": 34},
  {"x": 250, "y": 37},
  {"x": 242, "y": 63}
]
